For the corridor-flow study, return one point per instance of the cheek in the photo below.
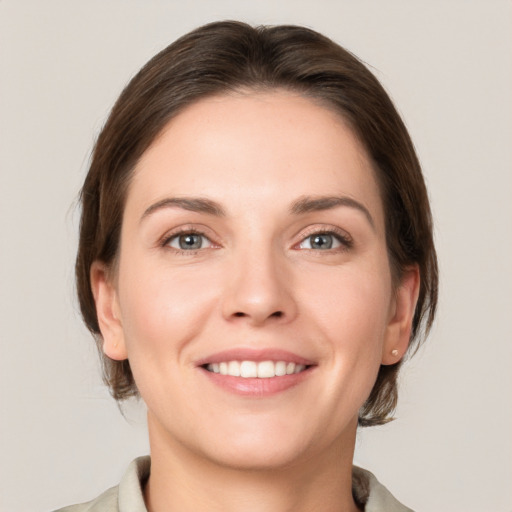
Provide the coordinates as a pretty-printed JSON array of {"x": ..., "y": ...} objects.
[
  {"x": 163, "y": 308},
  {"x": 347, "y": 317},
  {"x": 351, "y": 311}
]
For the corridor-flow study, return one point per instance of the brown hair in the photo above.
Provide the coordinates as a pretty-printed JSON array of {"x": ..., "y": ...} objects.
[{"x": 230, "y": 56}]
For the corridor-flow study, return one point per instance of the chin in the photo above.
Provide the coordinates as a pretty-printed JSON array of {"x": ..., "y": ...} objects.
[
  {"x": 261, "y": 446},
  {"x": 280, "y": 445},
  {"x": 255, "y": 457}
]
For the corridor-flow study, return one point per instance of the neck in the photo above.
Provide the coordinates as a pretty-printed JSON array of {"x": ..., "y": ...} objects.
[{"x": 184, "y": 481}]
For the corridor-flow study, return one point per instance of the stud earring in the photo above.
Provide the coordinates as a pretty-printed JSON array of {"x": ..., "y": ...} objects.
[{"x": 394, "y": 352}]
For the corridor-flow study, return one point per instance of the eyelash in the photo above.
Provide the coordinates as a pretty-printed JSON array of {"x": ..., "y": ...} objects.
[
  {"x": 166, "y": 240},
  {"x": 346, "y": 242}
]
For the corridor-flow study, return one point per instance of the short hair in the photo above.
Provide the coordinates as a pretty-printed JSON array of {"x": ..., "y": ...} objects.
[{"x": 230, "y": 56}]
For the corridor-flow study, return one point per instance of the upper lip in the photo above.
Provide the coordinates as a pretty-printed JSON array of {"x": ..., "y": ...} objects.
[{"x": 257, "y": 355}]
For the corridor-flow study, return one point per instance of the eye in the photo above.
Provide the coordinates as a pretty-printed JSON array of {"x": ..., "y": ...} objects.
[
  {"x": 189, "y": 241},
  {"x": 324, "y": 241}
]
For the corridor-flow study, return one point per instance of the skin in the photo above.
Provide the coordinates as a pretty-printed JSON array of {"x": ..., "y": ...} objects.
[{"x": 256, "y": 283}]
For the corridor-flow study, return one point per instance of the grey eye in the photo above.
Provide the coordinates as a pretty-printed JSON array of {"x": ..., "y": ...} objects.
[
  {"x": 320, "y": 241},
  {"x": 188, "y": 241}
]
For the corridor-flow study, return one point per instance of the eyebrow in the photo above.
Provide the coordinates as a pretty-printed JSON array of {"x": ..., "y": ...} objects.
[
  {"x": 309, "y": 204},
  {"x": 306, "y": 204},
  {"x": 193, "y": 204}
]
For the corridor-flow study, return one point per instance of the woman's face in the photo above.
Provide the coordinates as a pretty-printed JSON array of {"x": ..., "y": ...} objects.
[{"x": 253, "y": 241}]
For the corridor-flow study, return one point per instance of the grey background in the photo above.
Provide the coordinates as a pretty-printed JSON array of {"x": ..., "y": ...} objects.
[{"x": 448, "y": 67}]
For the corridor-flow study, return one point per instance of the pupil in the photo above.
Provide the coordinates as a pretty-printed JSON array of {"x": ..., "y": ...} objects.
[
  {"x": 190, "y": 241},
  {"x": 321, "y": 242}
]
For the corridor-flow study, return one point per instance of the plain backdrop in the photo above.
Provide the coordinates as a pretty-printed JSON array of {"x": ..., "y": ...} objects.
[{"x": 448, "y": 67}]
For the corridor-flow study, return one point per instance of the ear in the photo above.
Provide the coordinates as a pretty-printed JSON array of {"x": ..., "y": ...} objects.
[
  {"x": 108, "y": 312},
  {"x": 398, "y": 331}
]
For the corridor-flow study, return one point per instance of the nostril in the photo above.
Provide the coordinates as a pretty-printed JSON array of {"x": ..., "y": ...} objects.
[{"x": 275, "y": 314}]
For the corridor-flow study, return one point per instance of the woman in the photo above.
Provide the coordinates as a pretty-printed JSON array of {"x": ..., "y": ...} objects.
[{"x": 255, "y": 260}]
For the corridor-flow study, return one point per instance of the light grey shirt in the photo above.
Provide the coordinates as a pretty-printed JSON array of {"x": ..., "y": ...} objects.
[{"x": 128, "y": 495}]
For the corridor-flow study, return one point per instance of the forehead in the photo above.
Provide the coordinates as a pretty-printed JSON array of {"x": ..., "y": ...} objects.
[{"x": 245, "y": 145}]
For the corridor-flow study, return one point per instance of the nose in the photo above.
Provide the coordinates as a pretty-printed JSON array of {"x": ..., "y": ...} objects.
[{"x": 259, "y": 290}]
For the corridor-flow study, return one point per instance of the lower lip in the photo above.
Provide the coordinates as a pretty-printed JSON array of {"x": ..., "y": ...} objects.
[{"x": 257, "y": 387}]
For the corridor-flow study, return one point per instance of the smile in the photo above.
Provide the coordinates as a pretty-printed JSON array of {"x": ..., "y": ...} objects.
[
  {"x": 253, "y": 369},
  {"x": 256, "y": 373}
]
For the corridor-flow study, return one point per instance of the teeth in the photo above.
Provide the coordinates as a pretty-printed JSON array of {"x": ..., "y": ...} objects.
[
  {"x": 248, "y": 369},
  {"x": 252, "y": 369},
  {"x": 234, "y": 368},
  {"x": 280, "y": 368},
  {"x": 299, "y": 368},
  {"x": 266, "y": 369}
]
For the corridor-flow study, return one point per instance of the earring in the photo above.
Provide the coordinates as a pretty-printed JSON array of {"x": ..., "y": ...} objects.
[{"x": 394, "y": 352}]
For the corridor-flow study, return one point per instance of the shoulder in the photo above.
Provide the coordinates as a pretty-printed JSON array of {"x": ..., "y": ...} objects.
[
  {"x": 127, "y": 496},
  {"x": 372, "y": 494},
  {"x": 106, "y": 502}
]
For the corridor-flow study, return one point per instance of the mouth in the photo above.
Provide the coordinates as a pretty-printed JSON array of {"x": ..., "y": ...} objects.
[
  {"x": 256, "y": 369},
  {"x": 256, "y": 373}
]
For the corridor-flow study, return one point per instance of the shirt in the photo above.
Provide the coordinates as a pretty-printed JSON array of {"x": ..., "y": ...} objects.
[{"x": 128, "y": 495}]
